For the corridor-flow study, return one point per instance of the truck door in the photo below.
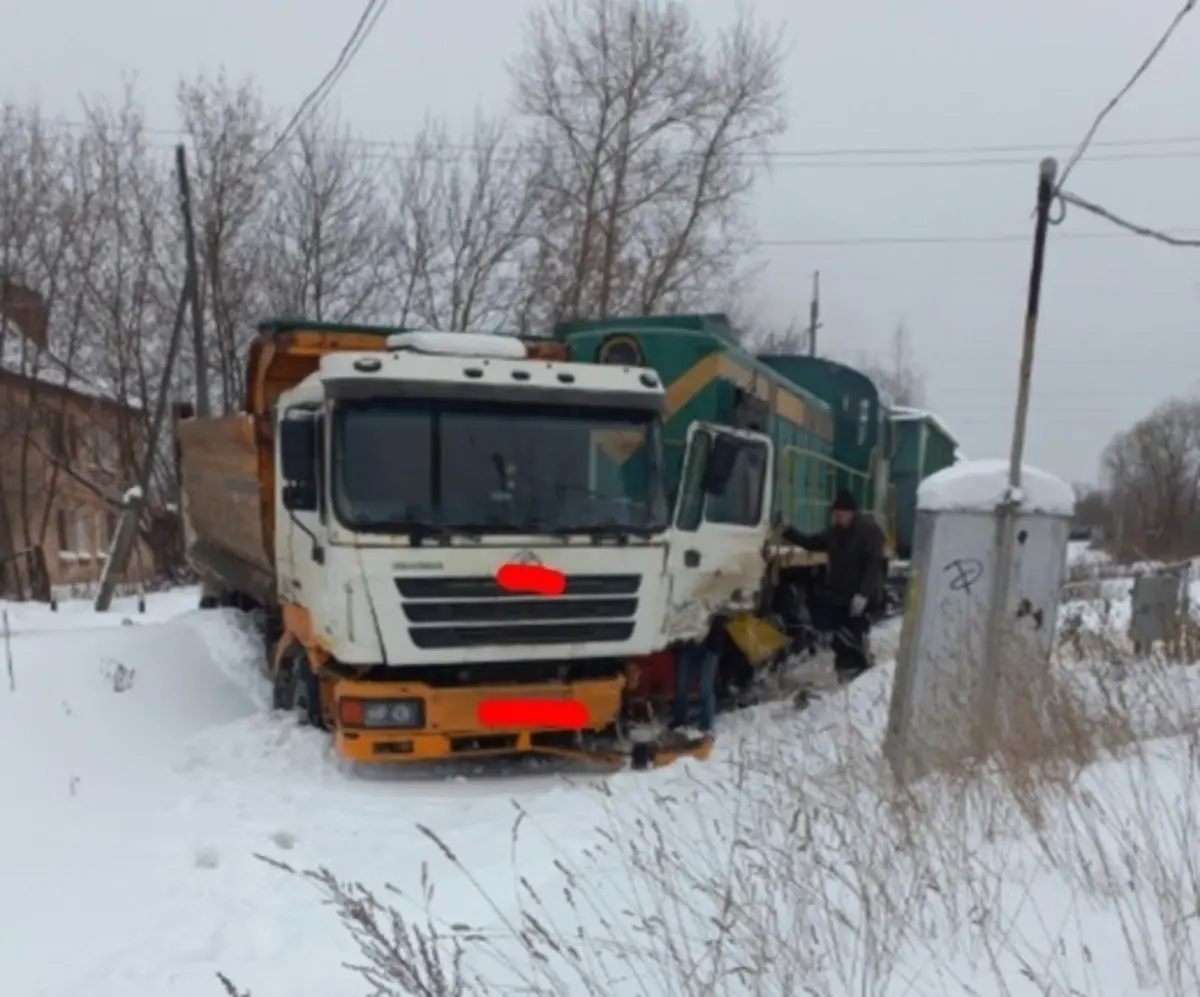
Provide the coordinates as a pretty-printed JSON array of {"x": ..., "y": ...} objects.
[{"x": 722, "y": 517}]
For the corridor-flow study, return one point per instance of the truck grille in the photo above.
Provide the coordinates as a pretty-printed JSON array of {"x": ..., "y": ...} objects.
[{"x": 474, "y": 612}]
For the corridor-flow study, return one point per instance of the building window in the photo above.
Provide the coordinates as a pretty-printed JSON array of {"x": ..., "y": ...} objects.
[
  {"x": 56, "y": 432},
  {"x": 100, "y": 526},
  {"x": 74, "y": 534},
  {"x": 83, "y": 542},
  {"x": 99, "y": 446}
]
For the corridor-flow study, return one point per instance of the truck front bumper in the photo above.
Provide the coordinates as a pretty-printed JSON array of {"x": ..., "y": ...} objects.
[{"x": 455, "y": 723}]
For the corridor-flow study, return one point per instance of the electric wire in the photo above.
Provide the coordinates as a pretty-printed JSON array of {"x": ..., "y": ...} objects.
[
  {"x": 1064, "y": 197},
  {"x": 317, "y": 96},
  {"x": 1146, "y": 63}
]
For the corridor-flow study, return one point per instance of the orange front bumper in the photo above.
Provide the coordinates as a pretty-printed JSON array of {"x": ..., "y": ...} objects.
[{"x": 453, "y": 728}]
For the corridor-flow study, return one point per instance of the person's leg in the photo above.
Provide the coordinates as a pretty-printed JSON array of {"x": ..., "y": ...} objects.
[
  {"x": 849, "y": 647},
  {"x": 684, "y": 667},
  {"x": 839, "y": 640},
  {"x": 865, "y": 641},
  {"x": 708, "y": 689}
]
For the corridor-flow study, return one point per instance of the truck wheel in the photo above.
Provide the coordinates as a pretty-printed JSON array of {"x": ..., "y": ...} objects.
[
  {"x": 209, "y": 597},
  {"x": 297, "y": 689}
]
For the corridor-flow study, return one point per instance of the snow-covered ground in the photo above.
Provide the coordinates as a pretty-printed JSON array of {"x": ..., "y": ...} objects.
[{"x": 150, "y": 795}]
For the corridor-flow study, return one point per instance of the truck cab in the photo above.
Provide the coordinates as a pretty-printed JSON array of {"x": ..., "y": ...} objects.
[{"x": 408, "y": 480}]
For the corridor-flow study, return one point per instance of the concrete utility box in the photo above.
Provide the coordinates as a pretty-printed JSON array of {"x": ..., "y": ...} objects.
[
  {"x": 1158, "y": 606},
  {"x": 946, "y": 688}
]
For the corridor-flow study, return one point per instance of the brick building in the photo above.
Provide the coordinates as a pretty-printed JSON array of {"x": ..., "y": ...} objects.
[{"x": 67, "y": 449}]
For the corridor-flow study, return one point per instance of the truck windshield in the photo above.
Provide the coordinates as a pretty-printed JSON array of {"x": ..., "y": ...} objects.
[{"x": 404, "y": 465}]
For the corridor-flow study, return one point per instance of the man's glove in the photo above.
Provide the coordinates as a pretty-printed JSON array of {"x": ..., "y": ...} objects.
[{"x": 857, "y": 605}]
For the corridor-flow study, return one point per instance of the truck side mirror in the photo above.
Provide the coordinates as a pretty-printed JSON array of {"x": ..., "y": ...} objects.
[
  {"x": 298, "y": 463},
  {"x": 722, "y": 455}
]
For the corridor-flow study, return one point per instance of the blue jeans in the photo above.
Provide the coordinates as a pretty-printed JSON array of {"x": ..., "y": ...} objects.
[{"x": 695, "y": 662}]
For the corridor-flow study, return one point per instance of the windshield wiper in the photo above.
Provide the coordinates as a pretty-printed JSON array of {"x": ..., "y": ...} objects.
[
  {"x": 598, "y": 531},
  {"x": 418, "y": 533}
]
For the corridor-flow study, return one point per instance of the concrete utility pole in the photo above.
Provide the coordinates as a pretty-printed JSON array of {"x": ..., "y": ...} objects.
[
  {"x": 814, "y": 313},
  {"x": 1006, "y": 517}
]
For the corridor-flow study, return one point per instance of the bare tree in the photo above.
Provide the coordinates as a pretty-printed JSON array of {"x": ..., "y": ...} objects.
[
  {"x": 327, "y": 230},
  {"x": 1093, "y": 510},
  {"x": 230, "y": 133},
  {"x": 897, "y": 375},
  {"x": 25, "y": 154},
  {"x": 1152, "y": 471},
  {"x": 130, "y": 290},
  {"x": 126, "y": 273},
  {"x": 46, "y": 242},
  {"x": 653, "y": 138},
  {"x": 790, "y": 339},
  {"x": 461, "y": 220}
]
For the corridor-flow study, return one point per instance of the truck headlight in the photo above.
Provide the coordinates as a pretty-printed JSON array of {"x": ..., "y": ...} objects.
[{"x": 406, "y": 713}]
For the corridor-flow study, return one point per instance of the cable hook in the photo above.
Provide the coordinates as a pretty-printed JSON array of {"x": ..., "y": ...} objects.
[{"x": 1062, "y": 210}]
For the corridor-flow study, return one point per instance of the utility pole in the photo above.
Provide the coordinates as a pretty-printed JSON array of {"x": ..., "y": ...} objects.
[
  {"x": 814, "y": 313},
  {"x": 1006, "y": 513},
  {"x": 189, "y": 241},
  {"x": 1047, "y": 171},
  {"x": 135, "y": 498}
]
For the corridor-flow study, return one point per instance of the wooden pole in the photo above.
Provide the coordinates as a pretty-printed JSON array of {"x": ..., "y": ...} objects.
[
  {"x": 189, "y": 241},
  {"x": 135, "y": 502}
]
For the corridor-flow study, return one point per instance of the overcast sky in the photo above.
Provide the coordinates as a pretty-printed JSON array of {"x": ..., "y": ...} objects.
[{"x": 1120, "y": 329}]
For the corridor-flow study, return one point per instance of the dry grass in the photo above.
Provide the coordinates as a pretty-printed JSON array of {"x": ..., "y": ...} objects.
[{"x": 1059, "y": 863}]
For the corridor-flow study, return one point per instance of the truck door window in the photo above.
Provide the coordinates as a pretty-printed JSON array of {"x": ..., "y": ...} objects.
[
  {"x": 741, "y": 503},
  {"x": 690, "y": 510},
  {"x": 319, "y": 457}
]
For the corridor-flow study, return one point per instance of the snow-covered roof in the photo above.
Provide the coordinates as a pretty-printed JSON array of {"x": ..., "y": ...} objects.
[
  {"x": 903, "y": 413},
  {"x": 981, "y": 485},
  {"x": 21, "y": 357}
]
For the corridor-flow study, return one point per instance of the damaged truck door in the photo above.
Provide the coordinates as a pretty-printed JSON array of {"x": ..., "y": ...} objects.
[{"x": 722, "y": 517}]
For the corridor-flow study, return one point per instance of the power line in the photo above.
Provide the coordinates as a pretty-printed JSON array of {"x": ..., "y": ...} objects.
[
  {"x": 362, "y": 30},
  {"x": 402, "y": 153},
  {"x": 964, "y": 240},
  {"x": 1065, "y": 198},
  {"x": 1089, "y": 137},
  {"x": 826, "y": 164},
  {"x": 814, "y": 152},
  {"x": 1131, "y": 228},
  {"x": 946, "y": 150}
]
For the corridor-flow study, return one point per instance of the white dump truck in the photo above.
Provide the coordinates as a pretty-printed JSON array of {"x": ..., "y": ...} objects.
[{"x": 451, "y": 559}]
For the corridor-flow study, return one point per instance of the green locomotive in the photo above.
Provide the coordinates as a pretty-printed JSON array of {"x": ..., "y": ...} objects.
[
  {"x": 920, "y": 445},
  {"x": 825, "y": 419},
  {"x": 831, "y": 427}
]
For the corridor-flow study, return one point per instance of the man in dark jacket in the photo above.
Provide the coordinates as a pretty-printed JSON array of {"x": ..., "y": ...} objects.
[{"x": 854, "y": 544}]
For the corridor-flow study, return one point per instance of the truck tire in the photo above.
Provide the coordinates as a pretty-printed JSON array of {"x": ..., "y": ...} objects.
[
  {"x": 210, "y": 597},
  {"x": 296, "y": 689}
]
